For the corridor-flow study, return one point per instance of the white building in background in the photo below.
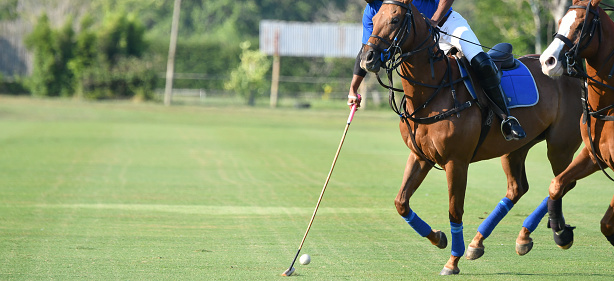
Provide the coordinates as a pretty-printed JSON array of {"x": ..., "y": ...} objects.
[{"x": 307, "y": 39}]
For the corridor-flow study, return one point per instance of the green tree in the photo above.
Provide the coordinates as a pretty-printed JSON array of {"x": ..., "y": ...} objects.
[
  {"x": 64, "y": 53},
  {"x": 85, "y": 53},
  {"x": 119, "y": 71},
  {"x": 45, "y": 79},
  {"x": 248, "y": 79},
  {"x": 8, "y": 10},
  {"x": 504, "y": 21},
  {"x": 105, "y": 61}
]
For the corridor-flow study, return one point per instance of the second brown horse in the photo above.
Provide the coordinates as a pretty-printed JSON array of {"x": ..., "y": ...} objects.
[{"x": 585, "y": 32}]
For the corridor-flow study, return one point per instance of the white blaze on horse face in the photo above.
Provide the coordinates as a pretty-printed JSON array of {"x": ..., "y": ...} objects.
[{"x": 551, "y": 65}]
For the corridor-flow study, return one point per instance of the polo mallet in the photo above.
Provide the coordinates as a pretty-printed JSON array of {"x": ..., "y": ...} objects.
[{"x": 290, "y": 270}]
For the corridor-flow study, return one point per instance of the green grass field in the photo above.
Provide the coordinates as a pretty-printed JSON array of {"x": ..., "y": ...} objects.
[{"x": 124, "y": 191}]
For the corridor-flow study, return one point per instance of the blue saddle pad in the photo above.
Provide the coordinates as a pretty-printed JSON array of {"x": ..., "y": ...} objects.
[{"x": 518, "y": 85}]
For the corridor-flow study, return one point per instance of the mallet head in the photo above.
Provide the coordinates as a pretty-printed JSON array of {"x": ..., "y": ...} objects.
[{"x": 288, "y": 272}]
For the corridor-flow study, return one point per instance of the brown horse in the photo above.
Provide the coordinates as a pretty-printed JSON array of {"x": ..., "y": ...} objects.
[
  {"x": 585, "y": 32},
  {"x": 442, "y": 126}
]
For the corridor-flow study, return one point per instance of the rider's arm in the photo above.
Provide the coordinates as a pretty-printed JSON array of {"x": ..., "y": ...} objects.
[
  {"x": 357, "y": 78},
  {"x": 442, "y": 10}
]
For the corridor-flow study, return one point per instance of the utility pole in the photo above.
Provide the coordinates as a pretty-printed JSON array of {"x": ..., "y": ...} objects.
[
  {"x": 275, "y": 77},
  {"x": 170, "y": 65}
]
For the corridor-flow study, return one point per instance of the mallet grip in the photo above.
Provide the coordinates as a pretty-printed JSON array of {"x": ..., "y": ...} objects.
[{"x": 353, "y": 108}]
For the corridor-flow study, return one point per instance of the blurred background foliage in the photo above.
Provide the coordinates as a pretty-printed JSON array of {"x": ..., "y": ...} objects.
[{"x": 118, "y": 48}]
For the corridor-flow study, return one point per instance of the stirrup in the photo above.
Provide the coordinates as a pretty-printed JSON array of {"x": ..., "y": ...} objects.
[{"x": 514, "y": 133}]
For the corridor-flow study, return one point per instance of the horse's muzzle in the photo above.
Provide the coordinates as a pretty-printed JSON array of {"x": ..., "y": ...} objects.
[
  {"x": 553, "y": 64},
  {"x": 370, "y": 60}
]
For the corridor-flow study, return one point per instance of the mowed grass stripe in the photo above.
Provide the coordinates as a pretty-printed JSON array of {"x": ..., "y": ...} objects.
[{"x": 205, "y": 210}]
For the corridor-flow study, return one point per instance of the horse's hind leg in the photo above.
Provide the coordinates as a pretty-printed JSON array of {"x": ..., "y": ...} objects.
[
  {"x": 517, "y": 186},
  {"x": 415, "y": 172},
  {"x": 560, "y": 154},
  {"x": 607, "y": 223}
]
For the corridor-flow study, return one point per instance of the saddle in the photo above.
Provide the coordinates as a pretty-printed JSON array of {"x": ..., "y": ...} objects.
[
  {"x": 501, "y": 55},
  {"x": 516, "y": 79}
]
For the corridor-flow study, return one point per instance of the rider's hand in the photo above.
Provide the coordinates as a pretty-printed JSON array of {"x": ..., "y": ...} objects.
[{"x": 353, "y": 99}]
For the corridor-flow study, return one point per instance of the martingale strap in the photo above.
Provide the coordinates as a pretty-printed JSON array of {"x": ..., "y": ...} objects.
[
  {"x": 597, "y": 114},
  {"x": 587, "y": 112}
]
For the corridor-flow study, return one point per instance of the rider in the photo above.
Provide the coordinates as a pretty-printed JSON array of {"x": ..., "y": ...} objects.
[{"x": 441, "y": 14}]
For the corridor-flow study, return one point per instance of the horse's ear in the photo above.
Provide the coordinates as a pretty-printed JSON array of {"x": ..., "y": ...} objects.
[{"x": 595, "y": 3}]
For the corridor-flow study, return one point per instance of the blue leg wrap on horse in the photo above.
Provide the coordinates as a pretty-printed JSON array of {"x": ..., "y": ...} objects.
[
  {"x": 487, "y": 226},
  {"x": 458, "y": 243},
  {"x": 533, "y": 220},
  {"x": 417, "y": 224}
]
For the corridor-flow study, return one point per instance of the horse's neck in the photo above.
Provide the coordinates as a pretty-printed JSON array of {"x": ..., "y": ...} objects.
[
  {"x": 599, "y": 96},
  {"x": 420, "y": 68},
  {"x": 600, "y": 65}
]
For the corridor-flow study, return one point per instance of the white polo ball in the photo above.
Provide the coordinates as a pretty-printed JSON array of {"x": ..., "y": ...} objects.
[{"x": 305, "y": 259}]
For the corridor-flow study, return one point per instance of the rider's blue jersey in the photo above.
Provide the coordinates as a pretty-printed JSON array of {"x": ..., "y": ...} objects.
[{"x": 426, "y": 7}]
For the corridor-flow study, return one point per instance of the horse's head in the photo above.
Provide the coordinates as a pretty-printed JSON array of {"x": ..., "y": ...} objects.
[
  {"x": 573, "y": 39},
  {"x": 391, "y": 27}
]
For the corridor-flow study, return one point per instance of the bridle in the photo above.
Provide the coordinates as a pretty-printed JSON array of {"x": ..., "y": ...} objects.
[
  {"x": 576, "y": 69},
  {"x": 572, "y": 55},
  {"x": 393, "y": 56}
]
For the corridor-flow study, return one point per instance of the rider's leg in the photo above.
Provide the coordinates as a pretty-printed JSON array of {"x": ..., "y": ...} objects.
[
  {"x": 457, "y": 32},
  {"x": 490, "y": 78}
]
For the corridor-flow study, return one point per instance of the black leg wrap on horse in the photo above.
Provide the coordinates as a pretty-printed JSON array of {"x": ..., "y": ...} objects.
[
  {"x": 611, "y": 239},
  {"x": 555, "y": 214},
  {"x": 562, "y": 233}
]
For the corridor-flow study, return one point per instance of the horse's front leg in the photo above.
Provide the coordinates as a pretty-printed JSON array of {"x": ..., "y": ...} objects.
[
  {"x": 560, "y": 155},
  {"x": 456, "y": 175},
  {"x": 517, "y": 186},
  {"x": 415, "y": 172},
  {"x": 582, "y": 166}
]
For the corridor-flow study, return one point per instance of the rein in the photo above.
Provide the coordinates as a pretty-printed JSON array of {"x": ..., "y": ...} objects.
[
  {"x": 576, "y": 69},
  {"x": 393, "y": 57}
]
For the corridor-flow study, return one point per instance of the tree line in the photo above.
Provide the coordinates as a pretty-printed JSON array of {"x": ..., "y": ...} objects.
[{"x": 115, "y": 48}]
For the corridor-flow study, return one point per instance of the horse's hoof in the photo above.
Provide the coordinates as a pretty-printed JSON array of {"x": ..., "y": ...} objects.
[
  {"x": 564, "y": 237},
  {"x": 565, "y": 247},
  {"x": 474, "y": 253},
  {"x": 447, "y": 271},
  {"x": 523, "y": 249},
  {"x": 443, "y": 240}
]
